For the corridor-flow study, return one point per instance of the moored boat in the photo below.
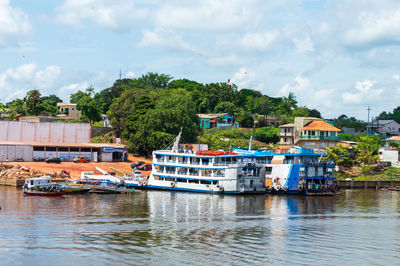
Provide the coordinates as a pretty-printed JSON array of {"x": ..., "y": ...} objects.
[
  {"x": 42, "y": 186},
  {"x": 202, "y": 171},
  {"x": 295, "y": 170}
]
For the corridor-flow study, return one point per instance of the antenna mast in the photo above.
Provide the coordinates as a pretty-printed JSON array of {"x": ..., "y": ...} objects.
[{"x": 368, "y": 125}]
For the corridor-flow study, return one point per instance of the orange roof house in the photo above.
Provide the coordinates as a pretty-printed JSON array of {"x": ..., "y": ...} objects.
[
  {"x": 309, "y": 132},
  {"x": 320, "y": 125}
]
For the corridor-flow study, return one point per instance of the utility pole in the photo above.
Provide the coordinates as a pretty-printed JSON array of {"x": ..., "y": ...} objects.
[
  {"x": 368, "y": 109},
  {"x": 120, "y": 74}
]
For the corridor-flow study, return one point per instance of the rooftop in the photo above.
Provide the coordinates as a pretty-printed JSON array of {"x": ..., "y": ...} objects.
[
  {"x": 211, "y": 116},
  {"x": 66, "y": 104},
  {"x": 321, "y": 126},
  {"x": 287, "y": 125},
  {"x": 55, "y": 144}
]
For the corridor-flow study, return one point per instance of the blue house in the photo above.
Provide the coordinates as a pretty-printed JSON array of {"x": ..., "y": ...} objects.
[{"x": 219, "y": 120}]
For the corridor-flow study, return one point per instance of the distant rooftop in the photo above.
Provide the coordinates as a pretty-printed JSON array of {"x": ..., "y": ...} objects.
[
  {"x": 287, "y": 125},
  {"x": 211, "y": 116}
]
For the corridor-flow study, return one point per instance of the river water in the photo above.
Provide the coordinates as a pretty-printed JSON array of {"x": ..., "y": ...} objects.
[{"x": 359, "y": 227}]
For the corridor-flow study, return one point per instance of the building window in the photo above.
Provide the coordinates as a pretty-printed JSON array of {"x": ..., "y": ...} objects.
[
  {"x": 312, "y": 133},
  {"x": 62, "y": 148},
  {"x": 74, "y": 149},
  {"x": 51, "y": 148},
  {"x": 85, "y": 149},
  {"x": 38, "y": 148}
]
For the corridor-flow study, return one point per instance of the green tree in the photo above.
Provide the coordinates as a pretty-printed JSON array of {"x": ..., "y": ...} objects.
[
  {"x": 367, "y": 149},
  {"x": 340, "y": 155},
  {"x": 51, "y": 100},
  {"x": 75, "y": 97},
  {"x": 18, "y": 106},
  {"x": 225, "y": 107},
  {"x": 155, "y": 126},
  {"x": 301, "y": 111},
  {"x": 267, "y": 134},
  {"x": 154, "y": 80},
  {"x": 33, "y": 102},
  {"x": 87, "y": 104}
]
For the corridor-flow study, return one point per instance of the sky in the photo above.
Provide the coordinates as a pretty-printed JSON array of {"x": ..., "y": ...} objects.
[{"x": 338, "y": 56}]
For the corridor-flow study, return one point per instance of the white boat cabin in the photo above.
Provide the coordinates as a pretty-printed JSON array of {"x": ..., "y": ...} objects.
[{"x": 43, "y": 181}]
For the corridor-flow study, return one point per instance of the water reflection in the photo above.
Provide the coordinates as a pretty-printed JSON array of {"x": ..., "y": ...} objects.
[{"x": 154, "y": 226}]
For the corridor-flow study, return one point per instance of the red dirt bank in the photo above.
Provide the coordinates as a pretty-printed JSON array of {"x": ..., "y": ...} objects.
[{"x": 75, "y": 169}]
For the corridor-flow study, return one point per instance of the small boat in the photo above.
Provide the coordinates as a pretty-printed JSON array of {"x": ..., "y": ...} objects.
[
  {"x": 73, "y": 188},
  {"x": 42, "y": 186}
]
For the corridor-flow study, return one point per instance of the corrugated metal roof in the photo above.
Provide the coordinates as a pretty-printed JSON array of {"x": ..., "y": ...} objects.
[
  {"x": 321, "y": 126},
  {"x": 211, "y": 116},
  {"x": 287, "y": 125}
]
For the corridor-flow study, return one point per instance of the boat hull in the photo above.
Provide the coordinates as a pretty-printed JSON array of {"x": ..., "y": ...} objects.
[{"x": 43, "y": 193}]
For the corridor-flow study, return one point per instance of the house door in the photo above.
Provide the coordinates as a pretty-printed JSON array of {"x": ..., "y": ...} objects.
[{"x": 202, "y": 123}]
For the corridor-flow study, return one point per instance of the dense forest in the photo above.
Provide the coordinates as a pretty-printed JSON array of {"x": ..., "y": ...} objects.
[{"x": 148, "y": 111}]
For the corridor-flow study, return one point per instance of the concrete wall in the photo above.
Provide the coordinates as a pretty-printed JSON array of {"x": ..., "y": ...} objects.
[
  {"x": 16, "y": 152},
  {"x": 44, "y": 132}
]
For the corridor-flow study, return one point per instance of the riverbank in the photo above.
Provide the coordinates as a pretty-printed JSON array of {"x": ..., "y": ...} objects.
[{"x": 14, "y": 173}]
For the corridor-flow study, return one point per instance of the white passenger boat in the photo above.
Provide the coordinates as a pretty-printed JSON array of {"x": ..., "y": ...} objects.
[{"x": 203, "y": 171}]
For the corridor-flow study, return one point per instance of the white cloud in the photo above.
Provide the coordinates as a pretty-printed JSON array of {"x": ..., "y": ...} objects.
[
  {"x": 365, "y": 86},
  {"x": 376, "y": 28},
  {"x": 258, "y": 41},
  {"x": 243, "y": 77},
  {"x": 114, "y": 15},
  {"x": 16, "y": 82},
  {"x": 396, "y": 77},
  {"x": 130, "y": 74},
  {"x": 298, "y": 86},
  {"x": 69, "y": 89},
  {"x": 209, "y": 14},
  {"x": 304, "y": 45},
  {"x": 165, "y": 38},
  {"x": 14, "y": 23},
  {"x": 364, "y": 93}
]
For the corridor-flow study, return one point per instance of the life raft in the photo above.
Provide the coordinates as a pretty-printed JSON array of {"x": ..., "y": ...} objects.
[{"x": 215, "y": 153}]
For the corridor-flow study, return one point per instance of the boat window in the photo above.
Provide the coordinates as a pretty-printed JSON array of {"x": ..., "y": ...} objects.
[
  {"x": 169, "y": 179},
  {"x": 31, "y": 182},
  {"x": 182, "y": 180},
  {"x": 205, "y": 182},
  {"x": 215, "y": 182},
  {"x": 85, "y": 149},
  {"x": 268, "y": 170},
  {"x": 193, "y": 181}
]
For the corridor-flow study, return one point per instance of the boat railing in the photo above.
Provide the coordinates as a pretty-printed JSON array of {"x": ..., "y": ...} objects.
[{"x": 193, "y": 174}]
